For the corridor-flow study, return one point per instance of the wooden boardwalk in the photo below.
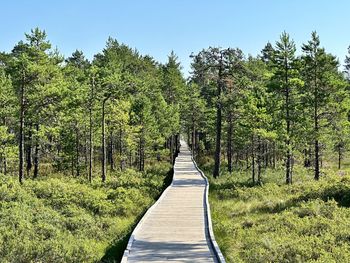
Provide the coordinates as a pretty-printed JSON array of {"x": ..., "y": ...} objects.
[{"x": 175, "y": 228}]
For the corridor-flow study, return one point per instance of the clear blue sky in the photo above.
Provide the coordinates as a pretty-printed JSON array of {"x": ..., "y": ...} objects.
[{"x": 156, "y": 27}]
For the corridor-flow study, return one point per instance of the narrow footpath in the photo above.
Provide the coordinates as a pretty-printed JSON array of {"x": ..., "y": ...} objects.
[{"x": 175, "y": 228}]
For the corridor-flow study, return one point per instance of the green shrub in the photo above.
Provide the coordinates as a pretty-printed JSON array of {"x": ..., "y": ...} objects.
[
  {"x": 306, "y": 222},
  {"x": 60, "y": 219}
]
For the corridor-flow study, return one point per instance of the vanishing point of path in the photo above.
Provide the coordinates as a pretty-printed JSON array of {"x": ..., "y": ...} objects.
[{"x": 175, "y": 229}]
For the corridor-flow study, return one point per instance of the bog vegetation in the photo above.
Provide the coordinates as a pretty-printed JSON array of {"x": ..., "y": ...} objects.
[
  {"x": 304, "y": 222},
  {"x": 60, "y": 219},
  {"x": 273, "y": 130},
  {"x": 86, "y": 147}
]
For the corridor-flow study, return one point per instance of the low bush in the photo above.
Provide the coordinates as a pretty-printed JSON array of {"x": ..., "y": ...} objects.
[
  {"x": 60, "y": 219},
  {"x": 308, "y": 221}
]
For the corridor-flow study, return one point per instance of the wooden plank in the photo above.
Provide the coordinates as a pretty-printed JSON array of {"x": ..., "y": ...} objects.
[{"x": 175, "y": 228}]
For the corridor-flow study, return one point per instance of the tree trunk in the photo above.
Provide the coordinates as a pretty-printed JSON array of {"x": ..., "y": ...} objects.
[
  {"x": 103, "y": 176},
  {"x": 316, "y": 128},
  {"x": 247, "y": 159},
  {"x": 193, "y": 140},
  {"x": 21, "y": 131},
  {"x": 121, "y": 151},
  {"x": 111, "y": 152},
  {"x": 86, "y": 151},
  {"x": 72, "y": 164},
  {"x": 36, "y": 153},
  {"x": 266, "y": 154},
  {"x": 306, "y": 159},
  {"x": 253, "y": 160},
  {"x": 259, "y": 150},
  {"x": 317, "y": 147},
  {"x": 218, "y": 123},
  {"x": 171, "y": 149},
  {"x": 339, "y": 157},
  {"x": 229, "y": 143},
  {"x": 188, "y": 135},
  {"x": 28, "y": 150},
  {"x": 177, "y": 143},
  {"x": 288, "y": 156},
  {"x": 5, "y": 165},
  {"x": 274, "y": 156},
  {"x": 77, "y": 142},
  {"x": 141, "y": 152},
  {"x": 91, "y": 147}
]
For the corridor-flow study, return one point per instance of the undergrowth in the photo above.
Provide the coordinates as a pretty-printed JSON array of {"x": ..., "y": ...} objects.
[
  {"x": 64, "y": 219},
  {"x": 308, "y": 221}
]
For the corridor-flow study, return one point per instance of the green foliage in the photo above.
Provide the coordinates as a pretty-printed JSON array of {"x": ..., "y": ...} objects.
[
  {"x": 58, "y": 219},
  {"x": 304, "y": 222}
]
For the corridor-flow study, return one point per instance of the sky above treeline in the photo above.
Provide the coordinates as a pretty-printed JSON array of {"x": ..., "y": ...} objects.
[{"x": 156, "y": 27}]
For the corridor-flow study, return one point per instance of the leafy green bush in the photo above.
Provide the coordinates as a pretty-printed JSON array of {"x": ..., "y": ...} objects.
[
  {"x": 60, "y": 219},
  {"x": 305, "y": 222}
]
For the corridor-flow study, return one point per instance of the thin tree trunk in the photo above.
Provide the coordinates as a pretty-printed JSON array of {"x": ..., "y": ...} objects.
[
  {"x": 316, "y": 128},
  {"x": 121, "y": 151},
  {"x": 91, "y": 147},
  {"x": 21, "y": 130},
  {"x": 111, "y": 152},
  {"x": 177, "y": 143},
  {"x": 72, "y": 164},
  {"x": 288, "y": 157},
  {"x": 253, "y": 160},
  {"x": 317, "y": 147},
  {"x": 218, "y": 124},
  {"x": 130, "y": 159},
  {"x": 274, "y": 156},
  {"x": 103, "y": 176},
  {"x": 141, "y": 152},
  {"x": 36, "y": 153},
  {"x": 188, "y": 135},
  {"x": 247, "y": 159},
  {"x": 171, "y": 149},
  {"x": 266, "y": 154},
  {"x": 77, "y": 151},
  {"x": 229, "y": 143},
  {"x": 339, "y": 157},
  {"x": 28, "y": 150},
  {"x": 193, "y": 140},
  {"x": 86, "y": 151},
  {"x": 5, "y": 165},
  {"x": 306, "y": 159},
  {"x": 259, "y": 160}
]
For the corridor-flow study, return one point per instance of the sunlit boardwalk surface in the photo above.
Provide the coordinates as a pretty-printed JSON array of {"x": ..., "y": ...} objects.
[{"x": 175, "y": 228}]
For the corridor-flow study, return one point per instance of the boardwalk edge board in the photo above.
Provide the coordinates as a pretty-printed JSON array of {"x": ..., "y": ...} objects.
[
  {"x": 140, "y": 223},
  {"x": 210, "y": 231}
]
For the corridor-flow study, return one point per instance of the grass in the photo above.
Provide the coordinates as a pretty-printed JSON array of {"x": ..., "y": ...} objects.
[
  {"x": 65, "y": 219},
  {"x": 305, "y": 222}
]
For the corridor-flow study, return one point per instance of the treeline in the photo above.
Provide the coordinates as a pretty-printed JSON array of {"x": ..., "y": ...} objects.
[
  {"x": 85, "y": 118},
  {"x": 277, "y": 107}
]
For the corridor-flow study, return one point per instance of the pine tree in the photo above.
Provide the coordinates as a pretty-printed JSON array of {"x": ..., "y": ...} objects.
[
  {"x": 284, "y": 61},
  {"x": 318, "y": 69}
]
